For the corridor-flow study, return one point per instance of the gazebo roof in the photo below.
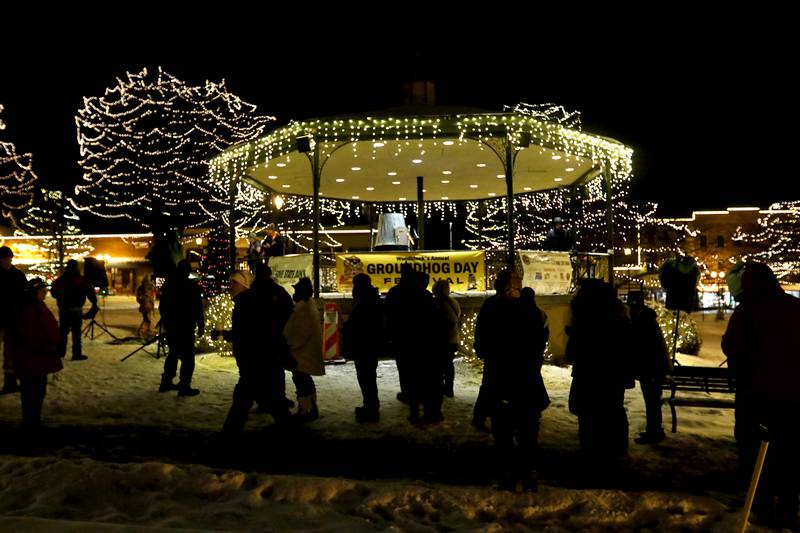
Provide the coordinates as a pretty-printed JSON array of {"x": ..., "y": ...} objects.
[{"x": 459, "y": 152}]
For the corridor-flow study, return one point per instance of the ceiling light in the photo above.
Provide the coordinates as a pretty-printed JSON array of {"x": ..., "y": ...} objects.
[
  {"x": 526, "y": 189},
  {"x": 481, "y": 165},
  {"x": 558, "y": 179},
  {"x": 492, "y": 194},
  {"x": 272, "y": 177},
  {"x": 445, "y": 181},
  {"x": 448, "y": 143},
  {"x": 402, "y": 198},
  {"x": 281, "y": 165},
  {"x": 391, "y": 173},
  {"x": 285, "y": 186},
  {"x": 416, "y": 161},
  {"x": 339, "y": 180},
  {"x": 556, "y": 157},
  {"x": 473, "y": 186},
  {"x": 501, "y": 176},
  {"x": 378, "y": 145},
  {"x": 395, "y": 183},
  {"x": 445, "y": 198},
  {"x": 424, "y": 190},
  {"x": 370, "y": 188},
  {"x": 355, "y": 197},
  {"x": 355, "y": 168},
  {"x": 447, "y": 172},
  {"x": 569, "y": 169}
]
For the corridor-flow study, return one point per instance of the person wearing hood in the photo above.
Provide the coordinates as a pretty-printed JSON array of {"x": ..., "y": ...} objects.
[
  {"x": 35, "y": 350},
  {"x": 762, "y": 342},
  {"x": 12, "y": 296},
  {"x": 303, "y": 333}
]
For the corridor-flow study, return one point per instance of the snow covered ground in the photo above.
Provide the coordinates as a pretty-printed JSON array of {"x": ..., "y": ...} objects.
[{"x": 118, "y": 452}]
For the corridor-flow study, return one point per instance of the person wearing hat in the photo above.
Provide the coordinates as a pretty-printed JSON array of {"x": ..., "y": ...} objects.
[
  {"x": 303, "y": 334},
  {"x": 181, "y": 310},
  {"x": 12, "y": 290},
  {"x": 260, "y": 372},
  {"x": 273, "y": 245},
  {"x": 558, "y": 239},
  {"x": 71, "y": 291},
  {"x": 34, "y": 349}
]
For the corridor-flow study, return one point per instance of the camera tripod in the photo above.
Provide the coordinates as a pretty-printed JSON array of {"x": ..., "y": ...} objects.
[
  {"x": 88, "y": 330},
  {"x": 161, "y": 346}
]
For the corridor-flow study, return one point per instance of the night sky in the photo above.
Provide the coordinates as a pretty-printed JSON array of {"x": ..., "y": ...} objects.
[{"x": 700, "y": 98}]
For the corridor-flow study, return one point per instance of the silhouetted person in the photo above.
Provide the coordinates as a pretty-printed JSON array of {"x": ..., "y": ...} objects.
[
  {"x": 762, "y": 343},
  {"x": 276, "y": 308},
  {"x": 146, "y": 298},
  {"x": 181, "y": 311},
  {"x": 396, "y": 308},
  {"x": 449, "y": 313},
  {"x": 510, "y": 337},
  {"x": 12, "y": 295},
  {"x": 362, "y": 340},
  {"x": 260, "y": 371},
  {"x": 559, "y": 239},
  {"x": 34, "y": 347},
  {"x": 652, "y": 364},
  {"x": 71, "y": 290},
  {"x": 303, "y": 333},
  {"x": 274, "y": 244},
  {"x": 601, "y": 371}
]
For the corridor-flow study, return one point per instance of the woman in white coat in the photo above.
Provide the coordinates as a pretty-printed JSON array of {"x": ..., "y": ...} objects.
[{"x": 303, "y": 334}]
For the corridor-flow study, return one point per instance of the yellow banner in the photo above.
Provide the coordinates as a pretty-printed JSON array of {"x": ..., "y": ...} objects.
[{"x": 466, "y": 271}]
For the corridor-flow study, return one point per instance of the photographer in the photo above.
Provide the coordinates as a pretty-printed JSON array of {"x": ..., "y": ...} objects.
[{"x": 71, "y": 291}]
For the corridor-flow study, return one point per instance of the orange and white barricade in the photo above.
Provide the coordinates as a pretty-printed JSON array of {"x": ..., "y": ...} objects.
[{"x": 330, "y": 334}]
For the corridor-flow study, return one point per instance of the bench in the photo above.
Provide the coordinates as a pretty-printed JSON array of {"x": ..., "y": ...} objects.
[{"x": 699, "y": 379}]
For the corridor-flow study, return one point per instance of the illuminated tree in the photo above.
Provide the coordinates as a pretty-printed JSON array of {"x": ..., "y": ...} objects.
[
  {"x": 779, "y": 239},
  {"x": 17, "y": 179},
  {"x": 145, "y": 145},
  {"x": 53, "y": 217}
]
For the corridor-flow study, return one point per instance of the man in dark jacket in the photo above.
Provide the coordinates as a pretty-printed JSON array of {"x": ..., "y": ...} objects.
[
  {"x": 181, "y": 310},
  {"x": 652, "y": 364},
  {"x": 362, "y": 338},
  {"x": 510, "y": 337},
  {"x": 558, "y": 239},
  {"x": 12, "y": 296},
  {"x": 762, "y": 343},
  {"x": 71, "y": 290},
  {"x": 261, "y": 376}
]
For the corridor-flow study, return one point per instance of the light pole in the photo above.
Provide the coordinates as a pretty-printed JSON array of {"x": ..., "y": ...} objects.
[{"x": 719, "y": 278}]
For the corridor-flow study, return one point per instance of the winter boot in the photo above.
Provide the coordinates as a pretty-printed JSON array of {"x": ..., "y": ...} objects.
[
  {"x": 367, "y": 414},
  {"x": 9, "y": 384},
  {"x": 187, "y": 390},
  {"x": 166, "y": 385}
]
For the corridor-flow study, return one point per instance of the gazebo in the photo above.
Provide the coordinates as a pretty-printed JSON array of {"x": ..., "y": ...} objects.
[{"x": 425, "y": 154}]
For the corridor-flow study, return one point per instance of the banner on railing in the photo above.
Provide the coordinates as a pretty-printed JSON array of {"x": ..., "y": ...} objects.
[
  {"x": 287, "y": 269},
  {"x": 546, "y": 272},
  {"x": 466, "y": 271}
]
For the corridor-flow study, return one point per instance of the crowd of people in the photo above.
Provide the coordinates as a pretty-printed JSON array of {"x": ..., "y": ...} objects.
[{"x": 610, "y": 346}]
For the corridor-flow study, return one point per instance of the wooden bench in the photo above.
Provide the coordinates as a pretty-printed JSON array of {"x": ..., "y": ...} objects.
[{"x": 699, "y": 379}]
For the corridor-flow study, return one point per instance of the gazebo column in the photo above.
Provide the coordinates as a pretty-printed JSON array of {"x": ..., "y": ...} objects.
[
  {"x": 315, "y": 170},
  {"x": 371, "y": 217},
  {"x": 509, "y": 161},
  {"x": 232, "y": 188},
  {"x": 609, "y": 222},
  {"x": 420, "y": 214}
]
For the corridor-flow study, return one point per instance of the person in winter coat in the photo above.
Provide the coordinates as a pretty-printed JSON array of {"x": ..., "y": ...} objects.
[
  {"x": 652, "y": 364},
  {"x": 35, "y": 350},
  {"x": 303, "y": 333},
  {"x": 260, "y": 371},
  {"x": 449, "y": 313},
  {"x": 362, "y": 340},
  {"x": 510, "y": 337},
  {"x": 602, "y": 369},
  {"x": 762, "y": 343},
  {"x": 12, "y": 295},
  {"x": 181, "y": 310},
  {"x": 71, "y": 290},
  {"x": 146, "y": 298}
]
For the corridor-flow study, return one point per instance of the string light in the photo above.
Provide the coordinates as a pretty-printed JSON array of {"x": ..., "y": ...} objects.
[
  {"x": 145, "y": 145},
  {"x": 17, "y": 179}
]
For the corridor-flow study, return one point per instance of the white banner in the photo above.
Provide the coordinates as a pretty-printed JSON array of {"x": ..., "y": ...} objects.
[
  {"x": 546, "y": 272},
  {"x": 287, "y": 269}
]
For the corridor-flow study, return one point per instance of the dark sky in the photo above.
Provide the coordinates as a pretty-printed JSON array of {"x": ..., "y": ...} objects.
[{"x": 701, "y": 98}]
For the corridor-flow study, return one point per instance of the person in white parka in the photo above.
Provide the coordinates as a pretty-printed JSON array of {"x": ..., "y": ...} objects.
[{"x": 303, "y": 334}]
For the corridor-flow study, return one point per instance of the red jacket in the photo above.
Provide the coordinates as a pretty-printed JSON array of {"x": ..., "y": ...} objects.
[{"x": 33, "y": 342}]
